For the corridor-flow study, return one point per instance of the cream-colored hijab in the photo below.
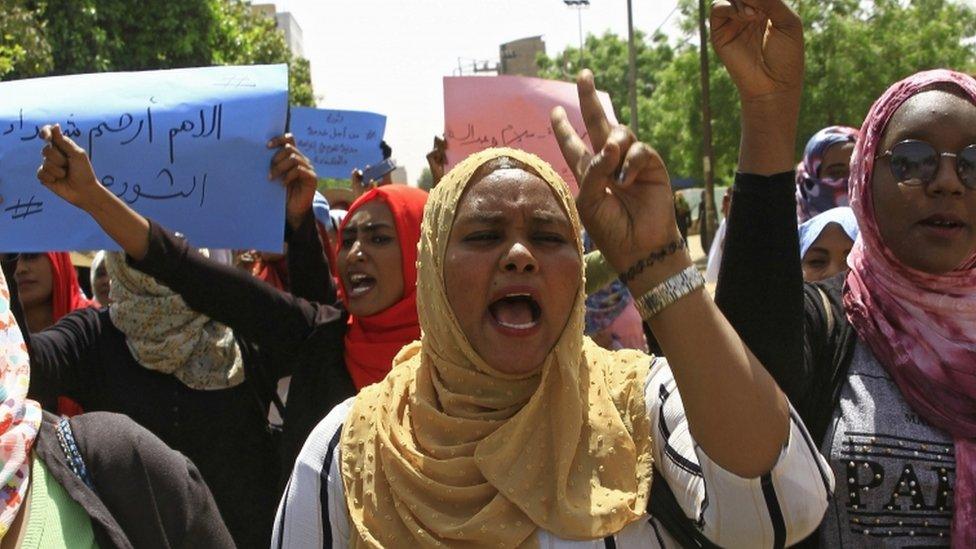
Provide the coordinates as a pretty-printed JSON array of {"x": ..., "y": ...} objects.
[
  {"x": 165, "y": 335},
  {"x": 447, "y": 451}
]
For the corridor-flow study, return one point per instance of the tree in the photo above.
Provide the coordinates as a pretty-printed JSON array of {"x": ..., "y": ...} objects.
[
  {"x": 243, "y": 37},
  {"x": 607, "y": 55},
  {"x": 23, "y": 49},
  {"x": 426, "y": 179},
  {"x": 104, "y": 35},
  {"x": 854, "y": 50}
]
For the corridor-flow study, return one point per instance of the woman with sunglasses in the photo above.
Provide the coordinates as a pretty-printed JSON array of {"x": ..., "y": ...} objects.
[{"x": 882, "y": 360}]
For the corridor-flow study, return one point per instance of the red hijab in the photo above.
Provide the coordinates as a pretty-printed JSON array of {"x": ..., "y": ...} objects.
[
  {"x": 372, "y": 341},
  {"x": 274, "y": 273},
  {"x": 66, "y": 296}
]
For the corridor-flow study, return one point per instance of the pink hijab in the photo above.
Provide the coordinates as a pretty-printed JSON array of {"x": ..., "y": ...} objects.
[{"x": 920, "y": 326}]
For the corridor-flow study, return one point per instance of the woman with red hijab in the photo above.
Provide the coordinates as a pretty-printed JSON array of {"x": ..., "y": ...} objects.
[
  {"x": 49, "y": 290},
  {"x": 377, "y": 273}
]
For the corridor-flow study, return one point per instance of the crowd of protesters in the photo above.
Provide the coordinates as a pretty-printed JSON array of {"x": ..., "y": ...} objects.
[{"x": 501, "y": 363}]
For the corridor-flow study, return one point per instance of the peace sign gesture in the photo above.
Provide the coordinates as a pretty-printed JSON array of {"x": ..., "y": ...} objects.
[{"x": 625, "y": 199}]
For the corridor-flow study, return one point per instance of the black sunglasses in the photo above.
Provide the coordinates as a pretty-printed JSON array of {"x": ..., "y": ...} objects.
[{"x": 915, "y": 162}]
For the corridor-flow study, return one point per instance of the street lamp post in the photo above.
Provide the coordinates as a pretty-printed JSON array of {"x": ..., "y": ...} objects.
[
  {"x": 631, "y": 69},
  {"x": 710, "y": 220},
  {"x": 579, "y": 5}
]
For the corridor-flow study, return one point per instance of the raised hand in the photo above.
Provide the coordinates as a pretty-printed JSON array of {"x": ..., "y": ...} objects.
[
  {"x": 437, "y": 160},
  {"x": 296, "y": 173},
  {"x": 625, "y": 199},
  {"x": 356, "y": 184},
  {"x": 761, "y": 44},
  {"x": 66, "y": 170}
]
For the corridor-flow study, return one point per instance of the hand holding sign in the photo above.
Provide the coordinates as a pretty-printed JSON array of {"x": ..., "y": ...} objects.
[
  {"x": 437, "y": 160},
  {"x": 296, "y": 174},
  {"x": 625, "y": 198},
  {"x": 186, "y": 147},
  {"x": 66, "y": 170}
]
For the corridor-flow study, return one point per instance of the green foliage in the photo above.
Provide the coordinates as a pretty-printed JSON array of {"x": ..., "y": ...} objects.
[
  {"x": 52, "y": 37},
  {"x": 23, "y": 48},
  {"x": 242, "y": 37},
  {"x": 607, "y": 56},
  {"x": 333, "y": 183},
  {"x": 426, "y": 179},
  {"x": 855, "y": 49}
]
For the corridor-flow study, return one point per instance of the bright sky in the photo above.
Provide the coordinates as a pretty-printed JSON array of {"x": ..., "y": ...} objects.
[{"x": 389, "y": 56}]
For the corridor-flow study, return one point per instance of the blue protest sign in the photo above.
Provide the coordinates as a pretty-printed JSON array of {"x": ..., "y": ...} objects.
[
  {"x": 337, "y": 142},
  {"x": 185, "y": 147}
]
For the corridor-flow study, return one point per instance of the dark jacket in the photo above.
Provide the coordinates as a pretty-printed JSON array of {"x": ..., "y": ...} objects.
[
  {"x": 146, "y": 495},
  {"x": 305, "y": 335}
]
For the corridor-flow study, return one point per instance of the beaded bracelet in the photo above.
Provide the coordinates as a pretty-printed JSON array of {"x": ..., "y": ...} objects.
[
  {"x": 655, "y": 256},
  {"x": 668, "y": 292}
]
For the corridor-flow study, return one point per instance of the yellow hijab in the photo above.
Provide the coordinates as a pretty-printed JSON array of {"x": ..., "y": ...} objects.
[{"x": 448, "y": 451}]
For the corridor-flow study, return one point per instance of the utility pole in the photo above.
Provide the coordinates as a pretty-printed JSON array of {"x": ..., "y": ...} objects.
[
  {"x": 632, "y": 68},
  {"x": 710, "y": 219},
  {"x": 579, "y": 5}
]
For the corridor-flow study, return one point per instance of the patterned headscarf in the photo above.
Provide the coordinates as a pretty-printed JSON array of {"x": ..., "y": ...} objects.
[
  {"x": 446, "y": 450},
  {"x": 167, "y": 336},
  {"x": 920, "y": 326},
  {"x": 19, "y": 418},
  {"x": 815, "y": 194}
]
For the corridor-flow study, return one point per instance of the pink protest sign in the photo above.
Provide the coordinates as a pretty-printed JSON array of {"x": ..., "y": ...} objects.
[{"x": 510, "y": 111}]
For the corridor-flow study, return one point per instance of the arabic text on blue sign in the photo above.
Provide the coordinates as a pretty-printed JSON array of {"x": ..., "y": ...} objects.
[
  {"x": 337, "y": 142},
  {"x": 186, "y": 147}
]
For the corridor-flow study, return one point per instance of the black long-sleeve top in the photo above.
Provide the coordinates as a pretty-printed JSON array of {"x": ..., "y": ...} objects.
[
  {"x": 797, "y": 330},
  {"x": 305, "y": 337}
]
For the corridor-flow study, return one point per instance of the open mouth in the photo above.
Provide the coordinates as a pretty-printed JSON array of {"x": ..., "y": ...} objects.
[
  {"x": 360, "y": 284},
  {"x": 516, "y": 312}
]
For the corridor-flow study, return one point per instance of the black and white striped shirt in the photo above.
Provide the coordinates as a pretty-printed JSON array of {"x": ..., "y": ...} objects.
[{"x": 779, "y": 508}]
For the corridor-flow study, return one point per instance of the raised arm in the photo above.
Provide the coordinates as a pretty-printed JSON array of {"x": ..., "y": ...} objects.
[
  {"x": 761, "y": 45},
  {"x": 251, "y": 308},
  {"x": 735, "y": 410},
  {"x": 308, "y": 264}
]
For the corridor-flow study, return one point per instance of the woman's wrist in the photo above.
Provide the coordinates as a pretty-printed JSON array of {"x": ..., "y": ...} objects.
[
  {"x": 98, "y": 201},
  {"x": 295, "y": 220},
  {"x": 655, "y": 274},
  {"x": 769, "y": 128}
]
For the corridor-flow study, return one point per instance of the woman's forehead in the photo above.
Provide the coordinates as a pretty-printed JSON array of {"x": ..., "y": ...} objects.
[
  {"x": 935, "y": 115},
  {"x": 507, "y": 189},
  {"x": 372, "y": 212}
]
